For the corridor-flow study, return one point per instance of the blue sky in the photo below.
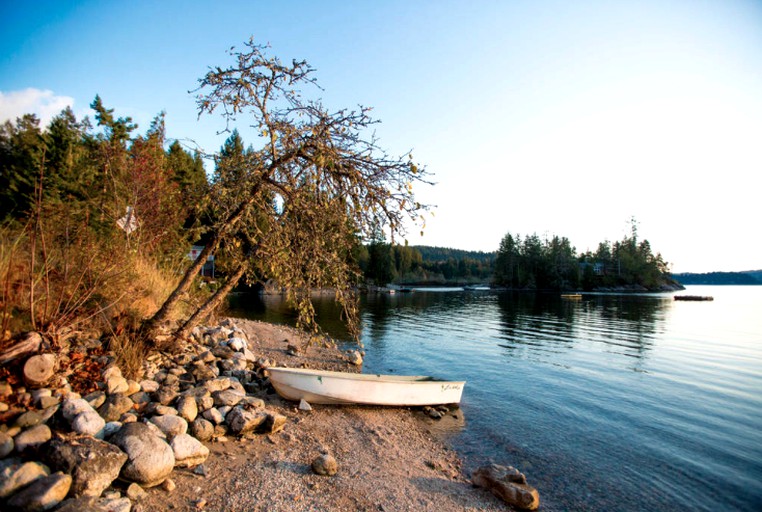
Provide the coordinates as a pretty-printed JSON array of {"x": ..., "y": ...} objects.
[{"x": 542, "y": 117}]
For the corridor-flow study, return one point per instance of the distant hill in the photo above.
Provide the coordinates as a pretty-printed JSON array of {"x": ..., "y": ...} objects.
[
  {"x": 749, "y": 277},
  {"x": 438, "y": 254}
]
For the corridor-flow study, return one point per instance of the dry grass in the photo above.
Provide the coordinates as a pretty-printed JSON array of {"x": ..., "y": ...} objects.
[{"x": 130, "y": 352}]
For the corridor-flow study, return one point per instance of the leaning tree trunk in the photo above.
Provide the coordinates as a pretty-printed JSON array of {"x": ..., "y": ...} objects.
[
  {"x": 211, "y": 304},
  {"x": 151, "y": 325}
]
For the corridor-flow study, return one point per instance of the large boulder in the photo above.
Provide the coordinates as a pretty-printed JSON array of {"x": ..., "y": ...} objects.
[
  {"x": 150, "y": 458},
  {"x": 508, "y": 484},
  {"x": 92, "y": 463}
]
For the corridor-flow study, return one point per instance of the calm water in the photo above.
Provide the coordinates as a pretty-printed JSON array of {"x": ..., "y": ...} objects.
[{"x": 614, "y": 402}]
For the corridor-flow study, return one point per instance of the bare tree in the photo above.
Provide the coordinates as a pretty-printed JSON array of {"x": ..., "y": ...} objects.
[{"x": 292, "y": 209}]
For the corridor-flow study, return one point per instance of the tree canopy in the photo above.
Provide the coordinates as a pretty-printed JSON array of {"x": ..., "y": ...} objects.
[{"x": 294, "y": 207}]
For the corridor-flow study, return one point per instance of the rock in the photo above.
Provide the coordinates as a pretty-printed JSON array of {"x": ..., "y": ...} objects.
[
  {"x": 249, "y": 355},
  {"x": 241, "y": 421},
  {"x": 149, "y": 386},
  {"x": 110, "y": 428},
  {"x": 165, "y": 395},
  {"x": 111, "y": 371},
  {"x": 274, "y": 423},
  {"x": 115, "y": 405},
  {"x": 156, "y": 409},
  {"x": 187, "y": 408},
  {"x": 150, "y": 458},
  {"x": 93, "y": 464},
  {"x": 205, "y": 357},
  {"x": 354, "y": 357},
  {"x": 48, "y": 413},
  {"x": 132, "y": 387},
  {"x": 72, "y": 407},
  {"x": 117, "y": 504},
  {"x": 5, "y": 388},
  {"x": 204, "y": 403},
  {"x": 28, "y": 419},
  {"x": 202, "y": 429},
  {"x": 170, "y": 424},
  {"x": 88, "y": 422},
  {"x": 46, "y": 402},
  {"x": 252, "y": 402},
  {"x": 15, "y": 474},
  {"x": 202, "y": 372},
  {"x": 304, "y": 405},
  {"x": 44, "y": 493},
  {"x": 116, "y": 384},
  {"x": 293, "y": 350},
  {"x": 214, "y": 416},
  {"x": 237, "y": 363},
  {"x": 508, "y": 484},
  {"x": 6, "y": 444},
  {"x": 95, "y": 399},
  {"x": 32, "y": 438},
  {"x": 325, "y": 465},
  {"x": 135, "y": 492},
  {"x": 228, "y": 397},
  {"x": 188, "y": 451},
  {"x": 237, "y": 344},
  {"x": 169, "y": 485},
  {"x": 39, "y": 369},
  {"x": 128, "y": 418},
  {"x": 85, "y": 504}
]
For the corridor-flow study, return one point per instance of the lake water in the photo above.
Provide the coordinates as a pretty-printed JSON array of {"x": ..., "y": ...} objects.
[{"x": 612, "y": 402}]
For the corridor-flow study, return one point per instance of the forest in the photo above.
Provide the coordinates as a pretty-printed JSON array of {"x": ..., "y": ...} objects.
[
  {"x": 528, "y": 263},
  {"x": 97, "y": 219},
  {"x": 553, "y": 264}
]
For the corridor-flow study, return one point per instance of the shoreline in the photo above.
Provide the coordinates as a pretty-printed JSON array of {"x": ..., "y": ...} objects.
[{"x": 387, "y": 458}]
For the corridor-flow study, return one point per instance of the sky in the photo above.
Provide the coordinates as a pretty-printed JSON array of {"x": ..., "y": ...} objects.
[{"x": 548, "y": 117}]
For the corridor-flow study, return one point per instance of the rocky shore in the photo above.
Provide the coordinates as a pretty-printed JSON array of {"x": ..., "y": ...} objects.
[{"x": 203, "y": 430}]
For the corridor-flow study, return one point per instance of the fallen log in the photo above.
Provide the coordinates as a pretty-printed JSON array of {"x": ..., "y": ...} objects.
[{"x": 23, "y": 345}]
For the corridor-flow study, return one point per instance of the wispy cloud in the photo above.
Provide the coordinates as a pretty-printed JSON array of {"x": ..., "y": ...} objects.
[{"x": 44, "y": 103}]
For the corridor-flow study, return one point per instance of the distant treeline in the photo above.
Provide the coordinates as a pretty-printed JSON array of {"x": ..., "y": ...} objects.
[
  {"x": 718, "y": 278},
  {"x": 383, "y": 263},
  {"x": 521, "y": 263}
]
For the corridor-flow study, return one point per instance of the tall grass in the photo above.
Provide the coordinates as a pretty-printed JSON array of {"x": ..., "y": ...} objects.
[{"x": 61, "y": 275}]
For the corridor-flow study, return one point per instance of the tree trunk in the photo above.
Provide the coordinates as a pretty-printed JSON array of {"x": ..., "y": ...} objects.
[
  {"x": 211, "y": 304},
  {"x": 149, "y": 328}
]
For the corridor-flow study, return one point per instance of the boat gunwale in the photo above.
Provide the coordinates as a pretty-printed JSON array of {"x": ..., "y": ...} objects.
[{"x": 367, "y": 377}]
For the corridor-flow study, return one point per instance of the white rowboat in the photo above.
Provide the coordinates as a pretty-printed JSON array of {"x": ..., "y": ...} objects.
[{"x": 326, "y": 387}]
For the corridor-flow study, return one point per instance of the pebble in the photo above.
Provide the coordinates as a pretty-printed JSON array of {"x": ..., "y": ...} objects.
[{"x": 325, "y": 465}]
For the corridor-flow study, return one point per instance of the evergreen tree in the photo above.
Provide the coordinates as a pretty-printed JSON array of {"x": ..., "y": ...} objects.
[{"x": 22, "y": 156}]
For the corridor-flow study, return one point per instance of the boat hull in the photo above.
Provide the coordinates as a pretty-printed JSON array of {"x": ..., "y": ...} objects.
[{"x": 326, "y": 387}]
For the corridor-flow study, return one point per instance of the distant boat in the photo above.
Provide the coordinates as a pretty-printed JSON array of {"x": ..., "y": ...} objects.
[
  {"x": 571, "y": 296},
  {"x": 694, "y": 297},
  {"x": 327, "y": 387}
]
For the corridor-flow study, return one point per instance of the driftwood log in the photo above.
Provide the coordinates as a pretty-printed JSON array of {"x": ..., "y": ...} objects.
[
  {"x": 39, "y": 369},
  {"x": 23, "y": 345}
]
